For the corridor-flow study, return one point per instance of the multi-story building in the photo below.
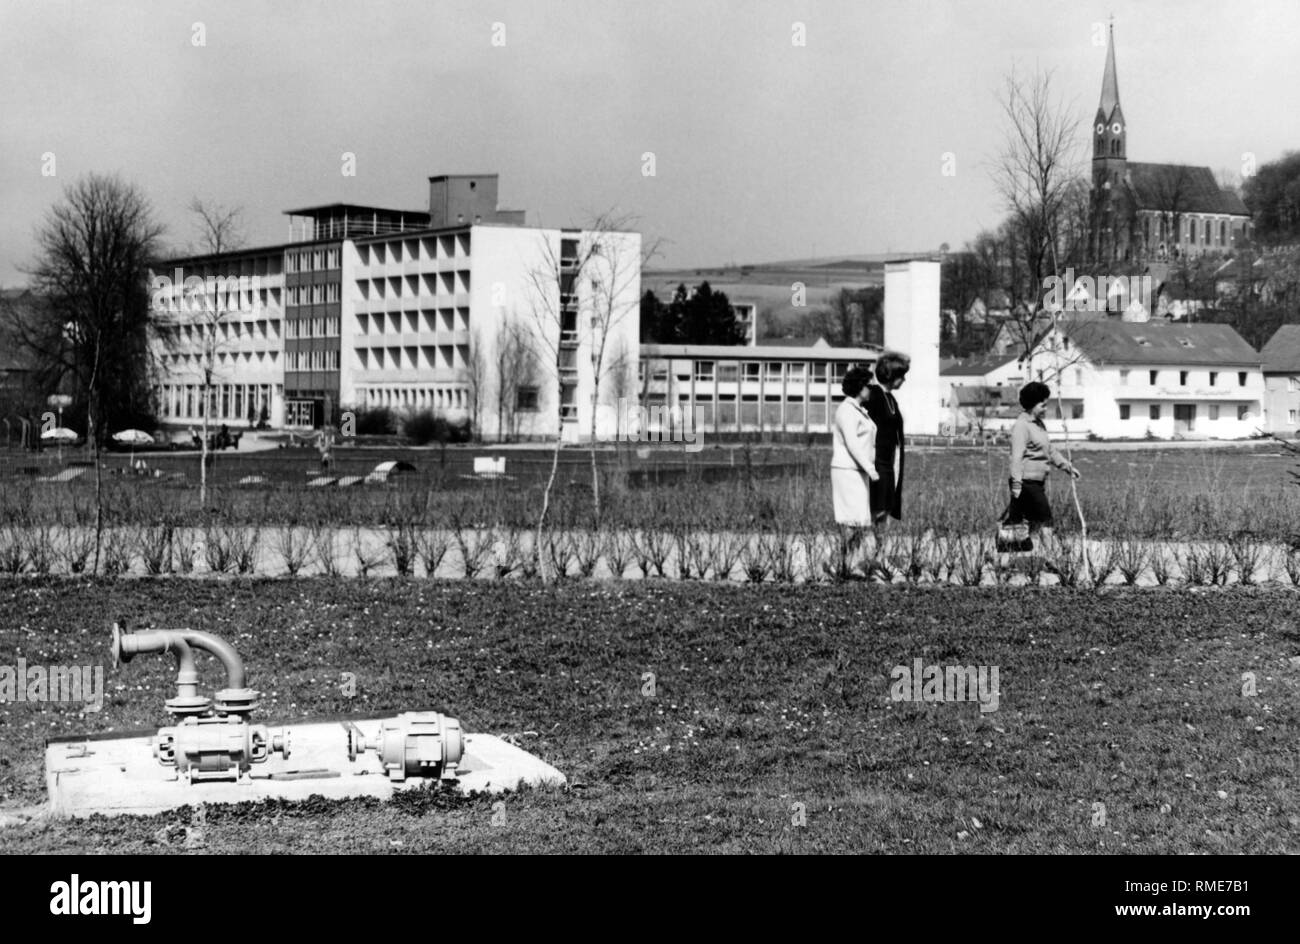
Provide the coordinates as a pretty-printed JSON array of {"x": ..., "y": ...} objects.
[{"x": 461, "y": 310}]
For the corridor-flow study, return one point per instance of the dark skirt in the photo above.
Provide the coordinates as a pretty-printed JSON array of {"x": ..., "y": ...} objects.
[
  {"x": 1031, "y": 506},
  {"x": 886, "y": 498}
]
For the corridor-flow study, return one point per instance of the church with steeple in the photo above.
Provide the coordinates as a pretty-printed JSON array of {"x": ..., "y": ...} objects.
[{"x": 1153, "y": 214}]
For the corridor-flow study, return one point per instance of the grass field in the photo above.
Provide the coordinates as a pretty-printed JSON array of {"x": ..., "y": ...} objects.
[{"x": 1122, "y": 724}]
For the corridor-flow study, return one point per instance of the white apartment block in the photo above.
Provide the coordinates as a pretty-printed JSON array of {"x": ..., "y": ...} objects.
[{"x": 461, "y": 310}]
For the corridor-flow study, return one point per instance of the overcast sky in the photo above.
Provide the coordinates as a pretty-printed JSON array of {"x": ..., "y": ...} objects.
[{"x": 763, "y": 150}]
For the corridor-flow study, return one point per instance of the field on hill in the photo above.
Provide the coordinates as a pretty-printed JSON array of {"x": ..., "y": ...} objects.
[{"x": 1153, "y": 722}]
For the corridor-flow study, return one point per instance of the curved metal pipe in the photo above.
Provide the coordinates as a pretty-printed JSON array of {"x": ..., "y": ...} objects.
[
  {"x": 128, "y": 645},
  {"x": 230, "y": 660}
]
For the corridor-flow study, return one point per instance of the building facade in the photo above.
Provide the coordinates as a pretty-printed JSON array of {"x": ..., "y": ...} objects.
[
  {"x": 1158, "y": 380},
  {"x": 461, "y": 310},
  {"x": 1281, "y": 364}
]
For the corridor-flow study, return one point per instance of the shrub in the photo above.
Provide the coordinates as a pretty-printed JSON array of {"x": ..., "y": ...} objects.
[
  {"x": 375, "y": 421},
  {"x": 422, "y": 427}
]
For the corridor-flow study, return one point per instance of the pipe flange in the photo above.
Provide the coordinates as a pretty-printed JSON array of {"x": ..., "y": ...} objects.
[
  {"x": 236, "y": 701},
  {"x": 186, "y": 705}
]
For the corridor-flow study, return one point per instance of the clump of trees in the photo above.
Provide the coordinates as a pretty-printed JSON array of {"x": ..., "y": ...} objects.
[
  {"x": 699, "y": 316},
  {"x": 1272, "y": 195},
  {"x": 90, "y": 333}
]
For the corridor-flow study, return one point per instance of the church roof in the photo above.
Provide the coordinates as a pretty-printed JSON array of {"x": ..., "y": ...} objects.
[
  {"x": 1110, "y": 79},
  {"x": 1181, "y": 188},
  {"x": 1156, "y": 343}
]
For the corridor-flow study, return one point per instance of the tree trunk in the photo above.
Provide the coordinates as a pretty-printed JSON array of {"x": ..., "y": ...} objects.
[
  {"x": 203, "y": 449},
  {"x": 595, "y": 474},
  {"x": 546, "y": 504}
]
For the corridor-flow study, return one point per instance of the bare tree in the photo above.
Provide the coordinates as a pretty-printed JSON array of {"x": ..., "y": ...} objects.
[
  {"x": 601, "y": 263},
  {"x": 94, "y": 252},
  {"x": 1038, "y": 176},
  {"x": 221, "y": 227}
]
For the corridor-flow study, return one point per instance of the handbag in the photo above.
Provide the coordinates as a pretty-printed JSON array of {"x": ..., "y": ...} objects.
[{"x": 1013, "y": 538}]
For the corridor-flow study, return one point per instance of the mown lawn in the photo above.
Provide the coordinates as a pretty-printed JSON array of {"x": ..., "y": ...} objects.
[{"x": 764, "y": 698}]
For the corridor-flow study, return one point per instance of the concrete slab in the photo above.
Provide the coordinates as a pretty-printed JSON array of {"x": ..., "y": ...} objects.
[{"x": 119, "y": 775}]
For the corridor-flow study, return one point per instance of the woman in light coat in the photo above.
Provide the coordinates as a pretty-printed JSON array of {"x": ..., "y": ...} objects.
[{"x": 853, "y": 462}]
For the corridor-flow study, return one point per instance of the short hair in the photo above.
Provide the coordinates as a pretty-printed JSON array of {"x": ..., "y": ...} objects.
[
  {"x": 854, "y": 380},
  {"x": 892, "y": 366},
  {"x": 1034, "y": 393}
]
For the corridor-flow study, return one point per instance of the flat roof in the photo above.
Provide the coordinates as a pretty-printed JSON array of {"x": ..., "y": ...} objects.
[
  {"x": 345, "y": 207},
  {"x": 739, "y": 352}
]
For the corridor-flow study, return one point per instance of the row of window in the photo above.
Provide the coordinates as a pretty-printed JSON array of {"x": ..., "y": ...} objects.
[
  {"x": 311, "y": 360},
  {"x": 435, "y": 398},
  {"x": 311, "y": 260},
  {"x": 1188, "y": 231},
  {"x": 1153, "y": 377},
  {"x": 410, "y": 357},
  {"x": 223, "y": 331},
  {"x": 238, "y": 402},
  {"x": 311, "y": 328},
  {"x": 222, "y": 359},
  {"x": 1157, "y": 410},
  {"x": 412, "y": 250},
  {"x": 413, "y": 286},
  {"x": 412, "y": 322},
  {"x": 730, "y": 372},
  {"x": 313, "y": 294}
]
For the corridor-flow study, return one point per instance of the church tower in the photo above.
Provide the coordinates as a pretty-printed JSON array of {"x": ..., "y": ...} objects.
[
  {"x": 1109, "y": 166},
  {"x": 1109, "y": 130}
]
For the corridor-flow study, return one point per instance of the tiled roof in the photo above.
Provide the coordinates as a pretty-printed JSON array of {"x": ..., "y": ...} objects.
[
  {"x": 1161, "y": 343},
  {"x": 977, "y": 366},
  {"x": 1179, "y": 188},
  {"x": 1282, "y": 352}
]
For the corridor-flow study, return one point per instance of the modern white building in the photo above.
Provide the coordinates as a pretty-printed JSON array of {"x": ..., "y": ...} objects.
[
  {"x": 1161, "y": 380},
  {"x": 461, "y": 310}
]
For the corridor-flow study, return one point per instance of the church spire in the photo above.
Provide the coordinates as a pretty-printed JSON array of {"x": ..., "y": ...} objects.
[{"x": 1110, "y": 80}]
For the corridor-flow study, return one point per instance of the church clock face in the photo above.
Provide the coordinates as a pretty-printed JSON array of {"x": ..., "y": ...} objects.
[
  {"x": 1101, "y": 129},
  {"x": 1115, "y": 128}
]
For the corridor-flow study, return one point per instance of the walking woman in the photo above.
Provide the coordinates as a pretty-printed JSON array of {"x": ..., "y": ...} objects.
[
  {"x": 1031, "y": 455},
  {"x": 853, "y": 462},
  {"x": 887, "y": 490}
]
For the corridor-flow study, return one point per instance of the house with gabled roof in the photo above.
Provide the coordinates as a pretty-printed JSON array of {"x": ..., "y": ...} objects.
[
  {"x": 1281, "y": 364},
  {"x": 1160, "y": 379}
]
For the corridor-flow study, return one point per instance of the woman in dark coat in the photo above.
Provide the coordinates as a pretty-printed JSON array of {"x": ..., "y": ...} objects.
[{"x": 887, "y": 490}]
